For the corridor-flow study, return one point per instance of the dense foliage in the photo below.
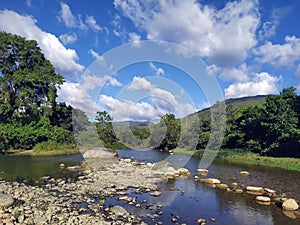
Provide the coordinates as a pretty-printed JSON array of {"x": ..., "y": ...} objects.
[
  {"x": 271, "y": 128},
  {"x": 105, "y": 131},
  {"x": 29, "y": 113}
]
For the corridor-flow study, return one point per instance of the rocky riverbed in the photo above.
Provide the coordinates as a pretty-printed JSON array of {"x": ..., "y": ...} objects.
[{"x": 82, "y": 201}]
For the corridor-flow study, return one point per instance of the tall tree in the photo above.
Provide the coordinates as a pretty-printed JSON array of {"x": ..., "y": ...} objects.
[
  {"x": 169, "y": 126},
  {"x": 105, "y": 129},
  {"x": 281, "y": 124},
  {"x": 28, "y": 81}
]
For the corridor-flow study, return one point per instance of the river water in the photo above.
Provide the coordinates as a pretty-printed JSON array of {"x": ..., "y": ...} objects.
[{"x": 183, "y": 199}]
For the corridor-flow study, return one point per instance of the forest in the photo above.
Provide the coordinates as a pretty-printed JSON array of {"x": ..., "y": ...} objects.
[{"x": 31, "y": 117}]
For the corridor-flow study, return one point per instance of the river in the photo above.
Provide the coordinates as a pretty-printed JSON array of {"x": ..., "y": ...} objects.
[{"x": 183, "y": 199}]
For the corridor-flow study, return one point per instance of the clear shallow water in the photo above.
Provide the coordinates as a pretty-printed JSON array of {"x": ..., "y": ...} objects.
[
  {"x": 31, "y": 169},
  {"x": 202, "y": 201},
  {"x": 198, "y": 200}
]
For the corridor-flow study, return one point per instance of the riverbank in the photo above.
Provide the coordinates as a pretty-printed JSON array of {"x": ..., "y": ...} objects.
[
  {"x": 236, "y": 156},
  {"x": 49, "y": 149},
  {"x": 86, "y": 200},
  {"x": 121, "y": 191}
]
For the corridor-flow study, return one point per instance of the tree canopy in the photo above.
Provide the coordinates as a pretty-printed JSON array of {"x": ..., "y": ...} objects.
[
  {"x": 28, "y": 81},
  {"x": 29, "y": 113}
]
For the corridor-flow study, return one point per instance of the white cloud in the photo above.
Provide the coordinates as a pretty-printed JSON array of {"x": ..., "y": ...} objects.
[
  {"x": 225, "y": 35},
  {"x": 260, "y": 84},
  {"x": 114, "y": 82},
  {"x": 158, "y": 71},
  {"x": 68, "y": 38},
  {"x": 91, "y": 22},
  {"x": 28, "y": 3},
  {"x": 75, "y": 21},
  {"x": 239, "y": 74},
  {"x": 67, "y": 16},
  {"x": 268, "y": 28},
  {"x": 96, "y": 55},
  {"x": 82, "y": 90},
  {"x": 64, "y": 60},
  {"x": 280, "y": 54},
  {"x": 134, "y": 38},
  {"x": 78, "y": 97},
  {"x": 162, "y": 99},
  {"x": 139, "y": 83},
  {"x": 129, "y": 110}
]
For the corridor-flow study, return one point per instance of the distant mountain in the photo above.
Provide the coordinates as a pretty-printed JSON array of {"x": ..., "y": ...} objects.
[
  {"x": 132, "y": 123},
  {"x": 234, "y": 102}
]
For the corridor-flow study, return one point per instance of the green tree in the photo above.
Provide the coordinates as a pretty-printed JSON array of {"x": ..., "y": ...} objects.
[
  {"x": 280, "y": 120},
  {"x": 28, "y": 81},
  {"x": 105, "y": 129},
  {"x": 171, "y": 125}
]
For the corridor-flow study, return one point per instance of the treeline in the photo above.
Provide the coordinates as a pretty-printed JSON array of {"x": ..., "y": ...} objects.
[
  {"x": 29, "y": 113},
  {"x": 271, "y": 128}
]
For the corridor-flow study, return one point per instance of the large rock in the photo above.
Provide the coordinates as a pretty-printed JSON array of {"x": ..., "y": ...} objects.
[
  {"x": 118, "y": 210},
  {"x": 211, "y": 181},
  {"x": 183, "y": 172},
  {"x": 290, "y": 204},
  {"x": 255, "y": 190},
  {"x": 245, "y": 173},
  {"x": 99, "y": 153},
  {"x": 6, "y": 200},
  {"x": 263, "y": 199}
]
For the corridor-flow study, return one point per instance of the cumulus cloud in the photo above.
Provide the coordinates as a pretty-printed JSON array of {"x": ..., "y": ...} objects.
[
  {"x": 239, "y": 74},
  {"x": 129, "y": 110},
  {"x": 225, "y": 35},
  {"x": 162, "y": 99},
  {"x": 67, "y": 16},
  {"x": 259, "y": 84},
  {"x": 268, "y": 28},
  {"x": 91, "y": 22},
  {"x": 68, "y": 38},
  {"x": 279, "y": 54},
  {"x": 158, "y": 71},
  {"x": 64, "y": 60},
  {"x": 72, "y": 21},
  {"x": 134, "y": 38},
  {"x": 96, "y": 55},
  {"x": 78, "y": 94}
]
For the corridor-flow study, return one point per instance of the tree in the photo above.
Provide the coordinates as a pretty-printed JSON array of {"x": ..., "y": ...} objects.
[
  {"x": 105, "y": 129},
  {"x": 280, "y": 120},
  {"x": 172, "y": 133},
  {"x": 28, "y": 81}
]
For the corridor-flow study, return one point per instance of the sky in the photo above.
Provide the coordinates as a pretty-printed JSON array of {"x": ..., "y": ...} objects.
[{"x": 141, "y": 59}]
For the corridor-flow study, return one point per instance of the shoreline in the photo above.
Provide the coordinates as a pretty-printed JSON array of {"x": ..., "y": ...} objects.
[
  {"x": 232, "y": 156},
  {"x": 228, "y": 155}
]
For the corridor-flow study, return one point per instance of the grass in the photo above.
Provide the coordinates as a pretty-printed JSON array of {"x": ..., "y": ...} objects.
[
  {"x": 51, "y": 148},
  {"x": 238, "y": 156}
]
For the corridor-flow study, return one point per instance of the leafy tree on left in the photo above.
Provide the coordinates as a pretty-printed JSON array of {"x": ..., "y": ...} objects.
[
  {"x": 29, "y": 113},
  {"x": 28, "y": 82}
]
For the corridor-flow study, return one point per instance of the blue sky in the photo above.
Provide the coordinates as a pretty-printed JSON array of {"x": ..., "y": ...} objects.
[{"x": 247, "y": 47}]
